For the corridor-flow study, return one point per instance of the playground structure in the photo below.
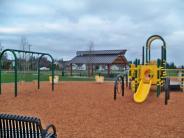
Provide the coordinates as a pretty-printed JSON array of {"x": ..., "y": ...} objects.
[
  {"x": 13, "y": 51},
  {"x": 152, "y": 72}
]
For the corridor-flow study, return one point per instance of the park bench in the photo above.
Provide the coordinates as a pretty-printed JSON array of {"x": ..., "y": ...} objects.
[{"x": 16, "y": 126}]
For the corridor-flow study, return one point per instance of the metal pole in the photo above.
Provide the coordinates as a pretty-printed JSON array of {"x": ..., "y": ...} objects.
[
  {"x": 146, "y": 54},
  {"x": 31, "y": 52},
  {"x": 168, "y": 89},
  {"x": 158, "y": 78},
  {"x": 138, "y": 62},
  {"x": 39, "y": 73},
  {"x": 143, "y": 55},
  {"x": 52, "y": 73},
  {"x": 15, "y": 70},
  {"x": 114, "y": 92},
  {"x": 166, "y": 97},
  {"x": 72, "y": 69},
  {"x": 126, "y": 79},
  {"x": 165, "y": 56},
  {"x": 108, "y": 68},
  {"x": 182, "y": 80},
  {"x": 162, "y": 56},
  {"x": 115, "y": 87},
  {"x": 149, "y": 54},
  {"x": 136, "y": 75},
  {"x": 0, "y": 73},
  {"x": 167, "y": 93},
  {"x": 122, "y": 85},
  {"x": 52, "y": 68}
]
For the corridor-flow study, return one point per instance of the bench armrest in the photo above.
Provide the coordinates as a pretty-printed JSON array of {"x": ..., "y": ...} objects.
[{"x": 52, "y": 127}]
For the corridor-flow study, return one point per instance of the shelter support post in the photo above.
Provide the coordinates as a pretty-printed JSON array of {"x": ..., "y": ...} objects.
[
  {"x": 71, "y": 70},
  {"x": 109, "y": 69}
]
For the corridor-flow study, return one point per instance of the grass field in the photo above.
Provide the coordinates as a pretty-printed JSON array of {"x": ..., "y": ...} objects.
[{"x": 8, "y": 76}]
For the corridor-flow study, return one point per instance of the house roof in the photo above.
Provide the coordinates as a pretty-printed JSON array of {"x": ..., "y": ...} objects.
[{"x": 100, "y": 57}]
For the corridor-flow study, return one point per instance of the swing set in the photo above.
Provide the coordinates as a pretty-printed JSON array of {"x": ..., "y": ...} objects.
[{"x": 14, "y": 52}]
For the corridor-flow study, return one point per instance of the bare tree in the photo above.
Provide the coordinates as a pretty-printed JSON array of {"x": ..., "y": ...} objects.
[
  {"x": 23, "y": 43},
  {"x": 90, "y": 51},
  {"x": 1, "y": 47},
  {"x": 25, "y": 46},
  {"x": 29, "y": 56}
]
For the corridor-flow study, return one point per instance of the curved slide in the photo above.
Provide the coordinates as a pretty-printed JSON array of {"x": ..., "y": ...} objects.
[{"x": 142, "y": 91}]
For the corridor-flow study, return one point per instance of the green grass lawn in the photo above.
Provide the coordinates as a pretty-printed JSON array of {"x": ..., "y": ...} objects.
[
  {"x": 8, "y": 77},
  {"x": 175, "y": 73}
]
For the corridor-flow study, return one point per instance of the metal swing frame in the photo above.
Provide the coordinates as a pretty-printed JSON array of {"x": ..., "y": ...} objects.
[{"x": 14, "y": 51}]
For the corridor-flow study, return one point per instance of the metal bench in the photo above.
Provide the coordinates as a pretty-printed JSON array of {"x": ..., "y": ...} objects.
[{"x": 16, "y": 126}]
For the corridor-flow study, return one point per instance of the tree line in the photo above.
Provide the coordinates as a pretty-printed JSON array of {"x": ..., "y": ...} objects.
[{"x": 28, "y": 63}]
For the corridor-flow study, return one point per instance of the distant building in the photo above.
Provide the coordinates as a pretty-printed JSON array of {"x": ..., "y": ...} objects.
[{"x": 104, "y": 59}]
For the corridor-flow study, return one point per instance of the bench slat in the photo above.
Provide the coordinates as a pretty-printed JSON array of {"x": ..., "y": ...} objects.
[
  {"x": 17, "y": 126},
  {"x": 13, "y": 124},
  {"x": 17, "y": 132},
  {"x": 27, "y": 129},
  {"x": 3, "y": 122},
  {"x": 30, "y": 128},
  {"x": 37, "y": 130},
  {"x": 1, "y": 127},
  {"x": 34, "y": 130},
  {"x": 6, "y": 123},
  {"x": 11, "y": 130}
]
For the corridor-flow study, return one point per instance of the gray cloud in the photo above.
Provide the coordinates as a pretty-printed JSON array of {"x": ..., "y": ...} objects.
[{"x": 63, "y": 27}]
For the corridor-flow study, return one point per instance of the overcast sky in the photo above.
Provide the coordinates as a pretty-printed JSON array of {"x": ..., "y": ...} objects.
[{"x": 61, "y": 27}]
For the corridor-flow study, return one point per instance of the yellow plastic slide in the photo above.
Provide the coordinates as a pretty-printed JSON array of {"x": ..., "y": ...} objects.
[{"x": 142, "y": 91}]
